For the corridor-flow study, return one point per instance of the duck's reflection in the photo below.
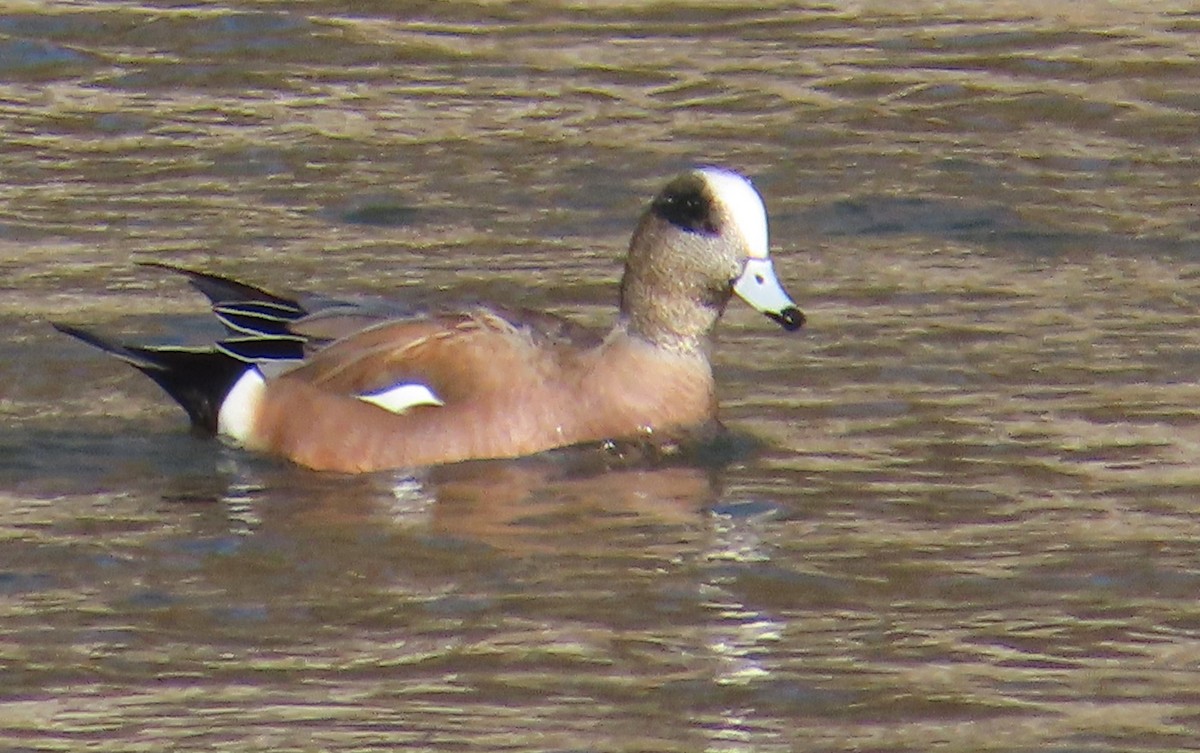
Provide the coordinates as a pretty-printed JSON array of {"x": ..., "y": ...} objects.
[
  {"x": 502, "y": 504},
  {"x": 563, "y": 499},
  {"x": 638, "y": 561}
]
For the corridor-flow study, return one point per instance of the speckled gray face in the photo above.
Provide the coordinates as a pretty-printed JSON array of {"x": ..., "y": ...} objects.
[{"x": 712, "y": 201}]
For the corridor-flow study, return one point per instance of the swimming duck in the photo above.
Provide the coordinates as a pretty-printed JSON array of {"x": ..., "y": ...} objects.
[{"x": 355, "y": 388}]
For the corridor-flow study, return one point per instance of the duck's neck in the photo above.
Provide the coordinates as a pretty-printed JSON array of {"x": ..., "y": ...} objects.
[{"x": 665, "y": 316}]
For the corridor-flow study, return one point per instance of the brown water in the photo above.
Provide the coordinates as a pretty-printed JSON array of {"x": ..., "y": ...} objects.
[{"x": 973, "y": 526}]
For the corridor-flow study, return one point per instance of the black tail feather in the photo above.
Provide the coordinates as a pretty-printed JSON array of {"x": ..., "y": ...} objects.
[
  {"x": 257, "y": 349},
  {"x": 256, "y": 318},
  {"x": 243, "y": 309},
  {"x": 221, "y": 290},
  {"x": 196, "y": 378}
]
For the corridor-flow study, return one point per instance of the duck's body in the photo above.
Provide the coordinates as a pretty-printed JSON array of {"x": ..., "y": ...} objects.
[
  {"x": 503, "y": 394},
  {"x": 353, "y": 388}
]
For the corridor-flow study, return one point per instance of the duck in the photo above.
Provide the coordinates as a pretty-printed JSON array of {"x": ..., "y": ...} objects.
[{"x": 353, "y": 387}]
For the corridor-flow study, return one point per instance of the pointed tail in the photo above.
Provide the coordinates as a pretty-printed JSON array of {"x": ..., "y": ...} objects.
[{"x": 196, "y": 378}]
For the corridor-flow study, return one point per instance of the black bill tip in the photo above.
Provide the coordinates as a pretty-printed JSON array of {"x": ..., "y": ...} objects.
[{"x": 791, "y": 318}]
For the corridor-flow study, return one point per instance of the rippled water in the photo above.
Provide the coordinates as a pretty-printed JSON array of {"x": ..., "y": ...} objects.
[{"x": 972, "y": 523}]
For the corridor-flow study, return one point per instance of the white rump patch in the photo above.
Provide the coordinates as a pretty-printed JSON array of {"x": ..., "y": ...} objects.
[
  {"x": 400, "y": 398},
  {"x": 236, "y": 418},
  {"x": 745, "y": 207}
]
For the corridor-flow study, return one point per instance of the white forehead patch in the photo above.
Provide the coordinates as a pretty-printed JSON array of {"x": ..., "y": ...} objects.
[{"x": 745, "y": 207}]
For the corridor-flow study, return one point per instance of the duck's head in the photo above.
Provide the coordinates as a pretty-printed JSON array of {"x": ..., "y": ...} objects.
[{"x": 702, "y": 240}]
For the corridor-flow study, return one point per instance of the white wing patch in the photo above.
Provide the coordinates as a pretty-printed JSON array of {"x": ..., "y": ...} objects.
[{"x": 400, "y": 398}]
